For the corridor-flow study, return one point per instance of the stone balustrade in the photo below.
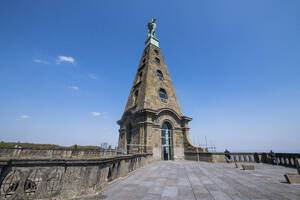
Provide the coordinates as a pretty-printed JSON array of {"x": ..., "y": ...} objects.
[
  {"x": 287, "y": 159},
  {"x": 284, "y": 159},
  {"x": 245, "y": 157},
  {"x": 63, "y": 178},
  {"x": 220, "y": 157}
]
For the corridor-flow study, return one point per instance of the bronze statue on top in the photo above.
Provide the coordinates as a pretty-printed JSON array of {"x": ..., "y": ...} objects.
[{"x": 151, "y": 28}]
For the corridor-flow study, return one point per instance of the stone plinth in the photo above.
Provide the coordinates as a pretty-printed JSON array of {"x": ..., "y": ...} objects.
[
  {"x": 292, "y": 178},
  {"x": 238, "y": 165},
  {"x": 152, "y": 40},
  {"x": 248, "y": 167}
]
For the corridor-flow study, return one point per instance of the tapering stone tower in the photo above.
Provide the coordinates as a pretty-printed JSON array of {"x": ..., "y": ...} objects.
[{"x": 153, "y": 120}]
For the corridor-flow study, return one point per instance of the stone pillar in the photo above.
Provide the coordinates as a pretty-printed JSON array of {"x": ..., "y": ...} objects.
[
  {"x": 143, "y": 161},
  {"x": 148, "y": 135},
  {"x": 122, "y": 141},
  {"x": 141, "y": 136},
  {"x": 145, "y": 142},
  {"x": 123, "y": 168},
  {"x": 257, "y": 157},
  {"x": 177, "y": 146}
]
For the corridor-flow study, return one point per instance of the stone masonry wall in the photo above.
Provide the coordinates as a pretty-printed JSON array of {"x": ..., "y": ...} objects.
[{"x": 63, "y": 178}]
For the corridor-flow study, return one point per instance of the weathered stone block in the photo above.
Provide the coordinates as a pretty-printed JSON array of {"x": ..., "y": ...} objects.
[
  {"x": 292, "y": 178},
  {"x": 248, "y": 167},
  {"x": 238, "y": 165}
]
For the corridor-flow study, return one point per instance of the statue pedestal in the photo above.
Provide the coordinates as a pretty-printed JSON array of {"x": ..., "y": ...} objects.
[{"x": 152, "y": 40}]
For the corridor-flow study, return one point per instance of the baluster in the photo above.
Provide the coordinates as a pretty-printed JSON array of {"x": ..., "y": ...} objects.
[
  {"x": 292, "y": 162},
  {"x": 281, "y": 161},
  {"x": 289, "y": 161},
  {"x": 248, "y": 158},
  {"x": 241, "y": 158}
]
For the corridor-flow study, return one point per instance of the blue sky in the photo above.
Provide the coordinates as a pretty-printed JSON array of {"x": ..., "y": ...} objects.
[{"x": 66, "y": 69}]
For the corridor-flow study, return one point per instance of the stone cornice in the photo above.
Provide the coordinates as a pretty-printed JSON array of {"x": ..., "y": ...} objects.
[{"x": 152, "y": 112}]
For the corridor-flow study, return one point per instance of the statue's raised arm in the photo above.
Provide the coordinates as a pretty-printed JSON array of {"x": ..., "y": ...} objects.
[{"x": 151, "y": 28}]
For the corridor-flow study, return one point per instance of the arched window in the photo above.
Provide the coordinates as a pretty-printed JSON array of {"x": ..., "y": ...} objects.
[
  {"x": 160, "y": 75},
  {"x": 166, "y": 141},
  {"x": 156, "y": 51},
  {"x": 157, "y": 61},
  {"x": 135, "y": 96},
  {"x": 145, "y": 53},
  {"x": 140, "y": 76},
  {"x": 163, "y": 95}
]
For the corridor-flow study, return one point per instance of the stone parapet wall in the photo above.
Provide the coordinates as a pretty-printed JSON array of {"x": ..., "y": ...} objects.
[
  {"x": 30, "y": 153},
  {"x": 64, "y": 178},
  {"x": 287, "y": 159},
  {"x": 198, "y": 156},
  {"x": 284, "y": 159}
]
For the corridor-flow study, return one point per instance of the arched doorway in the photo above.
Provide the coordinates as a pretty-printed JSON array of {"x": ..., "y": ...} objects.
[
  {"x": 128, "y": 137},
  {"x": 166, "y": 136}
]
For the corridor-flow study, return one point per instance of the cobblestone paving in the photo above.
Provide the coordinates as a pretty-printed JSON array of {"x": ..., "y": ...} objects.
[{"x": 186, "y": 180}]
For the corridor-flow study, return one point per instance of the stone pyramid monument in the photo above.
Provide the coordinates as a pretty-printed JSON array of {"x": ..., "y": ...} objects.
[{"x": 153, "y": 121}]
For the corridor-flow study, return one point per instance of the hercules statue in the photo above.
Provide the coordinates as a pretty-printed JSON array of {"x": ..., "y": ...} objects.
[{"x": 151, "y": 28}]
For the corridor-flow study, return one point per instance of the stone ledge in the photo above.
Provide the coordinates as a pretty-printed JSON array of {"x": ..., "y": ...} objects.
[{"x": 68, "y": 162}]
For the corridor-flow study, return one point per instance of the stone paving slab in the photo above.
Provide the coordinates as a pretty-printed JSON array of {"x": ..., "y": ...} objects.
[{"x": 184, "y": 180}]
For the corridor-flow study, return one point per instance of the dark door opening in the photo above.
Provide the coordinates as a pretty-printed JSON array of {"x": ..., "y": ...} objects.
[{"x": 166, "y": 141}]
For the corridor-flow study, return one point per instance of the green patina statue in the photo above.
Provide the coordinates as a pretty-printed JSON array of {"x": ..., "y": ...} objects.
[{"x": 151, "y": 28}]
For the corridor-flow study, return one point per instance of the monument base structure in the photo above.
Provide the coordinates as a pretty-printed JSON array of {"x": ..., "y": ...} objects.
[
  {"x": 145, "y": 127},
  {"x": 153, "y": 121}
]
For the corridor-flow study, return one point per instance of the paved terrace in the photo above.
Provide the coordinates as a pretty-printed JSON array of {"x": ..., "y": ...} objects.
[{"x": 199, "y": 180}]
